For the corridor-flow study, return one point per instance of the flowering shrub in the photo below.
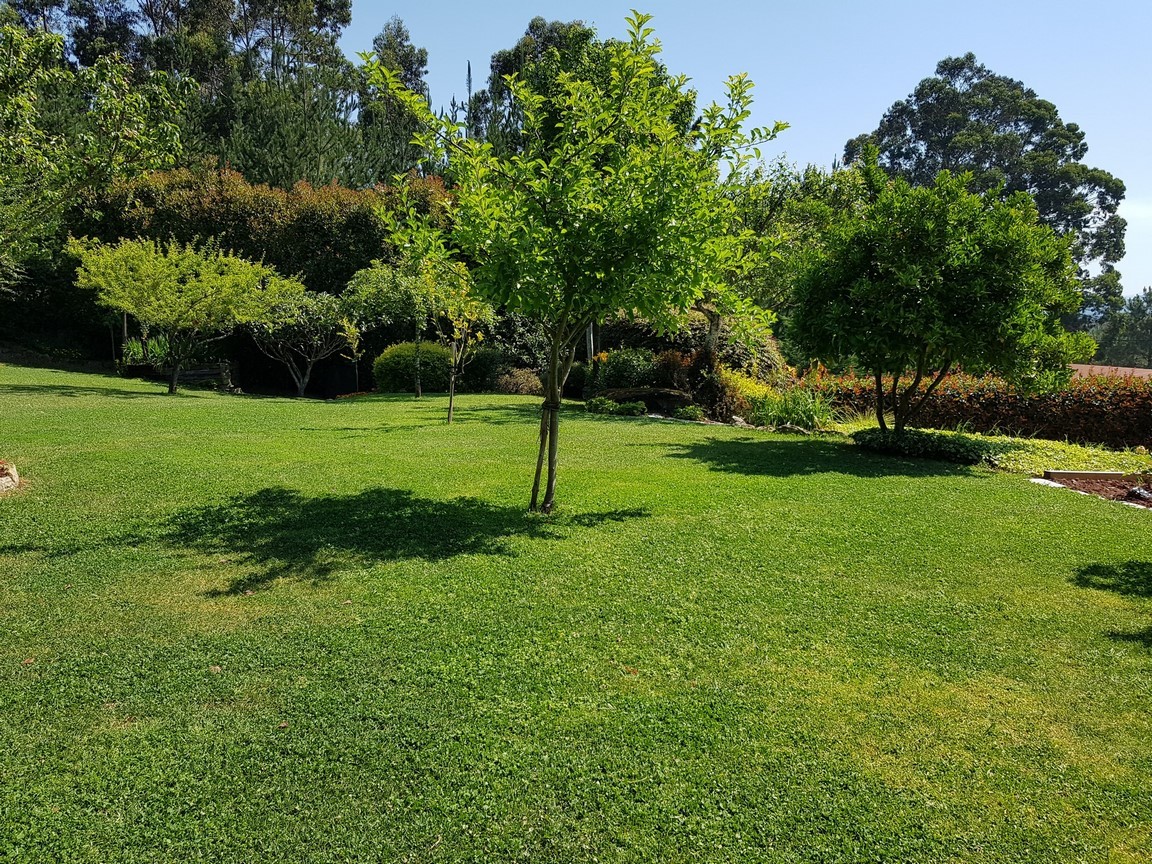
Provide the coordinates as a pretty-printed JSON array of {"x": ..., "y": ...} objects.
[{"x": 1116, "y": 412}]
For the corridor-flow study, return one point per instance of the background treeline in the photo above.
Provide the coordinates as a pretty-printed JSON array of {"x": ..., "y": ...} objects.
[{"x": 289, "y": 154}]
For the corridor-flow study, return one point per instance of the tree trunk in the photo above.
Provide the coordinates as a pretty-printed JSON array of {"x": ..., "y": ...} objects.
[
  {"x": 419, "y": 340},
  {"x": 547, "y": 409},
  {"x": 589, "y": 347},
  {"x": 452, "y": 382},
  {"x": 712, "y": 342},
  {"x": 897, "y": 416},
  {"x": 302, "y": 380},
  {"x": 880, "y": 401},
  {"x": 555, "y": 394},
  {"x": 174, "y": 378}
]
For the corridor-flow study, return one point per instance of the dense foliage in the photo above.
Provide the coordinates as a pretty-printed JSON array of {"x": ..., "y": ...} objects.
[
  {"x": 190, "y": 296},
  {"x": 324, "y": 234},
  {"x": 966, "y": 118},
  {"x": 923, "y": 279},
  {"x": 396, "y": 370},
  {"x": 1116, "y": 412}
]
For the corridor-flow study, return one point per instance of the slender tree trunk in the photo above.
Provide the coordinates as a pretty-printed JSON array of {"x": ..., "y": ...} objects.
[
  {"x": 174, "y": 378},
  {"x": 589, "y": 347},
  {"x": 555, "y": 396},
  {"x": 302, "y": 380},
  {"x": 880, "y": 401},
  {"x": 452, "y": 382},
  {"x": 546, "y": 425},
  {"x": 896, "y": 416},
  {"x": 712, "y": 342},
  {"x": 419, "y": 341}
]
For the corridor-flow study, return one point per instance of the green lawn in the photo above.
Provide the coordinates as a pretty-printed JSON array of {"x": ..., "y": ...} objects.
[{"x": 246, "y": 629}]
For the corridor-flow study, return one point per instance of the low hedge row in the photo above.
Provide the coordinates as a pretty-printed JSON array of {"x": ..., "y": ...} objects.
[{"x": 1115, "y": 412}]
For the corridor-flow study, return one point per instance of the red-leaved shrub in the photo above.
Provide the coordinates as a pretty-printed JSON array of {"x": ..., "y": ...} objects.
[{"x": 1115, "y": 412}]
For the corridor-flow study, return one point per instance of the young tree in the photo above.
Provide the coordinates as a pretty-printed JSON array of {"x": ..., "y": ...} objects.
[
  {"x": 925, "y": 279},
  {"x": 308, "y": 327},
  {"x": 192, "y": 297},
  {"x": 968, "y": 119},
  {"x": 609, "y": 204}
]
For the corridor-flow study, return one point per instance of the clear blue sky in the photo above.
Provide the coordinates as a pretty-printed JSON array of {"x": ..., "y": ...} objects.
[{"x": 830, "y": 68}]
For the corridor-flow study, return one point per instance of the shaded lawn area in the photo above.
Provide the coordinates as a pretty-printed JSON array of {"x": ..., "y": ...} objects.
[{"x": 242, "y": 629}]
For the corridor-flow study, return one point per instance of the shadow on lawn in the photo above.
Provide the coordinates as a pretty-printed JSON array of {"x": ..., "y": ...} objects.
[
  {"x": 1143, "y": 637},
  {"x": 69, "y": 390},
  {"x": 800, "y": 456},
  {"x": 1132, "y": 578},
  {"x": 287, "y": 534}
]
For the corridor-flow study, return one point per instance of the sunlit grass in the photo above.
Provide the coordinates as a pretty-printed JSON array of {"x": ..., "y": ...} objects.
[{"x": 249, "y": 629}]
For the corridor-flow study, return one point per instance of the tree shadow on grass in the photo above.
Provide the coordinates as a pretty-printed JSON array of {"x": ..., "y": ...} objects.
[
  {"x": 1143, "y": 637},
  {"x": 70, "y": 390},
  {"x": 286, "y": 534},
  {"x": 771, "y": 457},
  {"x": 1131, "y": 578}
]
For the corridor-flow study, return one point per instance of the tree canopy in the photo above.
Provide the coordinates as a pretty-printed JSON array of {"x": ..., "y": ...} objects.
[
  {"x": 966, "y": 118},
  {"x": 924, "y": 279},
  {"x": 116, "y": 125},
  {"x": 191, "y": 296}
]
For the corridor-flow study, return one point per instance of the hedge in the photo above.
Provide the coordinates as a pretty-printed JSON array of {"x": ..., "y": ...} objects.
[{"x": 1115, "y": 412}]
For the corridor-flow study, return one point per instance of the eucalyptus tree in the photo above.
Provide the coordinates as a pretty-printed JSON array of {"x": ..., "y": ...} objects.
[{"x": 606, "y": 204}]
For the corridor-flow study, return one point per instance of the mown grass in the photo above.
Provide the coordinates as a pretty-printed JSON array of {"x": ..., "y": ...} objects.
[{"x": 246, "y": 629}]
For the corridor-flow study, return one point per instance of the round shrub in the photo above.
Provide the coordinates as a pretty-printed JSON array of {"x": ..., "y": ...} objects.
[
  {"x": 520, "y": 382},
  {"x": 395, "y": 370}
]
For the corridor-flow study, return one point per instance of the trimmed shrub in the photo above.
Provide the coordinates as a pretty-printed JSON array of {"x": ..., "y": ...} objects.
[
  {"x": 689, "y": 412},
  {"x": 395, "y": 370},
  {"x": 1115, "y": 412},
  {"x": 962, "y": 449},
  {"x": 604, "y": 405},
  {"x": 577, "y": 379},
  {"x": 520, "y": 382}
]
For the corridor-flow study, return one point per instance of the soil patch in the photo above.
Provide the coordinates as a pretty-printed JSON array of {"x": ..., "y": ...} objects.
[{"x": 1114, "y": 489}]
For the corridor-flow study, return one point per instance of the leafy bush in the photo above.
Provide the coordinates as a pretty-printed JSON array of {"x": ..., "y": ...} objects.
[
  {"x": 631, "y": 409},
  {"x": 689, "y": 412},
  {"x": 628, "y": 367},
  {"x": 795, "y": 406},
  {"x": 483, "y": 370},
  {"x": 955, "y": 447},
  {"x": 152, "y": 351},
  {"x": 395, "y": 370},
  {"x": 674, "y": 369},
  {"x": 604, "y": 405},
  {"x": 731, "y": 394},
  {"x": 520, "y": 382},
  {"x": 1115, "y": 412},
  {"x": 1018, "y": 455}
]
